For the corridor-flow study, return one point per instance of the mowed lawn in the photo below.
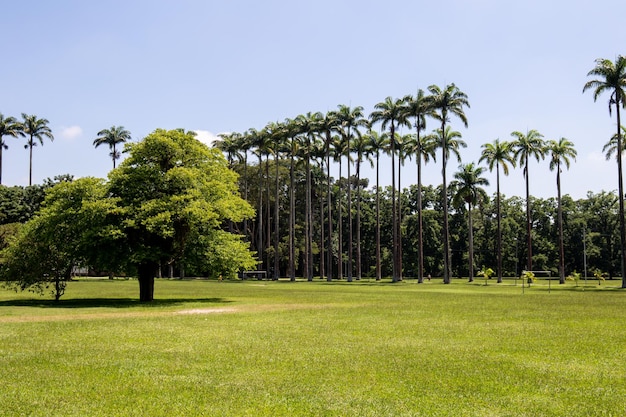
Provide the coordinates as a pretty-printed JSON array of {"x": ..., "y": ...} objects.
[{"x": 262, "y": 348}]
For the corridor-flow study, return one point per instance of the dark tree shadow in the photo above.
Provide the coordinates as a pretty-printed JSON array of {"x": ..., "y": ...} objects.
[{"x": 109, "y": 302}]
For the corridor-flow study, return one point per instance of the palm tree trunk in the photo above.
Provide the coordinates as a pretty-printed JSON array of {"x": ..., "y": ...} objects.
[
  {"x": 378, "y": 266},
  {"x": 444, "y": 196},
  {"x": 114, "y": 154},
  {"x": 529, "y": 244},
  {"x": 1, "y": 147},
  {"x": 322, "y": 233},
  {"x": 339, "y": 230},
  {"x": 394, "y": 277},
  {"x": 470, "y": 224},
  {"x": 260, "y": 214},
  {"x": 420, "y": 227},
  {"x": 398, "y": 225},
  {"x": 499, "y": 238},
  {"x": 330, "y": 212},
  {"x": 292, "y": 216},
  {"x": 358, "y": 216},
  {"x": 309, "y": 222},
  {"x": 268, "y": 215},
  {"x": 560, "y": 221},
  {"x": 30, "y": 167},
  {"x": 276, "y": 239},
  {"x": 622, "y": 226},
  {"x": 350, "y": 239}
]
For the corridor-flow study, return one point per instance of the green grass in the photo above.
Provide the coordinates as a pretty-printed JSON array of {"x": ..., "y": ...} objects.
[{"x": 262, "y": 348}]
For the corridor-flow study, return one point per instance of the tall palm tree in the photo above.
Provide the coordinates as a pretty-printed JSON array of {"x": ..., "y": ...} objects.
[
  {"x": 444, "y": 103},
  {"x": 326, "y": 126},
  {"x": 377, "y": 143},
  {"x": 498, "y": 154},
  {"x": 391, "y": 113},
  {"x": 418, "y": 108},
  {"x": 468, "y": 183},
  {"x": 34, "y": 128},
  {"x": 362, "y": 145},
  {"x": 112, "y": 137},
  {"x": 403, "y": 144},
  {"x": 307, "y": 125},
  {"x": 612, "y": 78},
  {"x": 339, "y": 146},
  {"x": 561, "y": 151},
  {"x": 277, "y": 134},
  {"x": 9, "y": 126},
  {"x": 526, "y": 146},
  {"x": 292, "y": 131},
  {"x": 350, "y": 120},
  {"x": 258, "y": 142}
]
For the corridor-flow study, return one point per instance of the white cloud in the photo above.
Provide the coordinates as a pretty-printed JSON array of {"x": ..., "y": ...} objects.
[
  {"x": 206, "y": 137},
  {"x": 71, "y": 132}
]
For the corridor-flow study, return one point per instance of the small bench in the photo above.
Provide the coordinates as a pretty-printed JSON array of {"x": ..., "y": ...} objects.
[{"x": 258, "y": 274}]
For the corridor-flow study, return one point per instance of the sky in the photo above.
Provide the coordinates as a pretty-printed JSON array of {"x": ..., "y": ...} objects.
[{"x": 227, "y": 66}]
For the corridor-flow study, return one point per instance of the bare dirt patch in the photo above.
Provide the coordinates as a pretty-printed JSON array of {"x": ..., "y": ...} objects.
[{"x": 207, "y": 311}]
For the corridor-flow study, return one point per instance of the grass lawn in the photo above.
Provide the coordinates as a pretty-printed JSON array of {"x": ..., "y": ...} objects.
[{"x": 263, "y": 348}]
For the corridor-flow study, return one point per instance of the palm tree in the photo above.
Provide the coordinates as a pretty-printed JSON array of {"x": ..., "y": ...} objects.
[
  {"x": 277, "y": 135},
  {"x": 418, "y": 108},
  {"x": 391, "y": 112},
  {"x": 377, "y": 143},
  {"x": 498, "y": 154},
  {"x": 362, "y": 148},
  {"x": 307, "y": 125},
  {"x": 339, "y": 146},
  {"x": 326, "y": 127},
  {"x": 350, "y": 120},
  {"x": 34, "y": 128},
  {"x": 446, "y": 102},
  {"x": 111, "y": 137},
  {"x": 525, "y": 146},
  {"x": 561, "y": 152},
  {"x": 9, "y": 126},
  {"x": 612, "y": 78},
  {"x": 258, "y": 143},
  {"x": 468, "y": 185},
  {"x": 610, "y": 147}
]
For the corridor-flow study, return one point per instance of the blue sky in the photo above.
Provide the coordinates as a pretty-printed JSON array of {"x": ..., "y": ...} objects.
[{"x": 217, "y": 66}]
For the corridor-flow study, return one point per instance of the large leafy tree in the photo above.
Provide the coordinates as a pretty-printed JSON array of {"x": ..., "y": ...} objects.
[
  {"x": 560, "y": 152},
  {"x": 34, "y": 128},
  {"x": 611, "y": 77},
  {"x": 498, "y": 154},
  {"x": 112, "y": 137},
  {"x": 9, "y": 126},
  {"x": 68, "y": 231},
  {"x": 392, "y": 113},
  {"x": 468, "y": 186},
  {"x": 446, "y": 102},
  {"x": 526, "y": 146},
  {"x": 172, "y": 194}
]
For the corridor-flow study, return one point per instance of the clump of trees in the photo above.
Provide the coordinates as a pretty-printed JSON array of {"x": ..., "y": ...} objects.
[{"x": 166, "y": 203}]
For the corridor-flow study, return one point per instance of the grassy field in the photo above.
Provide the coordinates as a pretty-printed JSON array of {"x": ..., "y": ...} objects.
[{"x": 260, "y": 348}]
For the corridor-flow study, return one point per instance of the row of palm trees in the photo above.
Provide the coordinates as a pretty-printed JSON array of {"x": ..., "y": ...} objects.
[
  {"x": 36, "y": 129},
  {"x": 344, "y": 133},
  {"x": 31, "y": 127}
]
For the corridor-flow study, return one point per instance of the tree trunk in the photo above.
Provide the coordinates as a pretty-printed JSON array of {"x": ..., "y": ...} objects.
[
  {"x": 560, "y": 221},
  {"x": 499, "y": 267},
  {"x": 622, "y": 225},
  {"x": 420, "y": 227},
  {"x": 147, "y": 271},
  {"x": 378, "y": 266},
  {"x": 471, "y": 241},
  {"x": 444, "y": 196},
  {"x": 529, "y": 243},
  {"x": 329, "y": 263}
]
